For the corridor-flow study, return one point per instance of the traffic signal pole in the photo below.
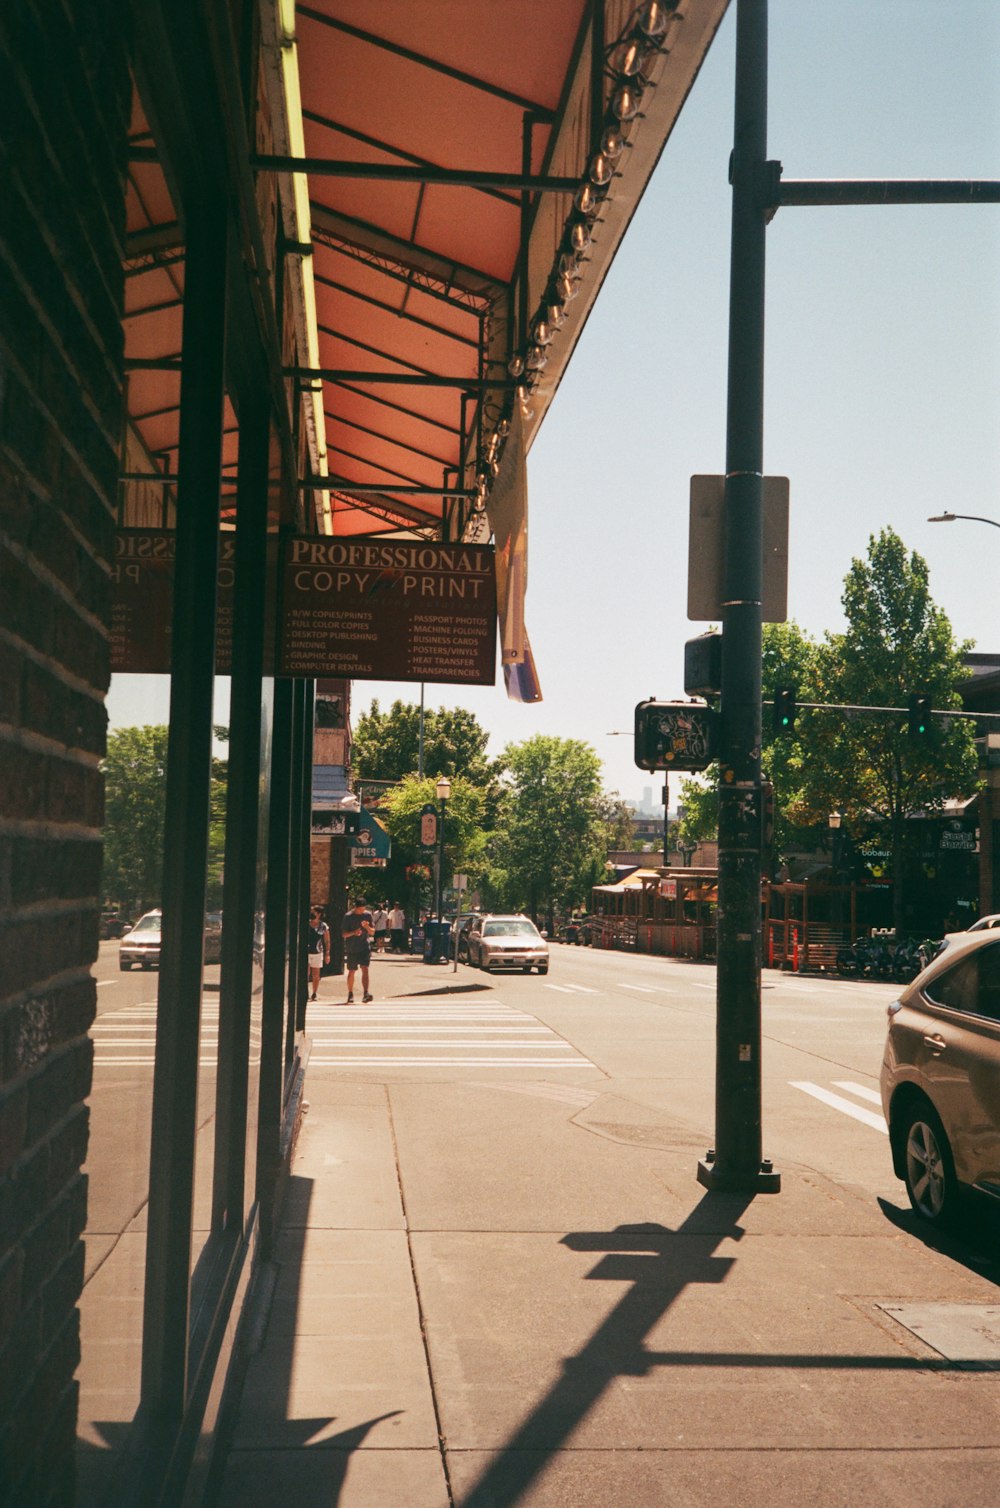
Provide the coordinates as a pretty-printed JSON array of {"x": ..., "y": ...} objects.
[{"x": 736, "y": 1163}]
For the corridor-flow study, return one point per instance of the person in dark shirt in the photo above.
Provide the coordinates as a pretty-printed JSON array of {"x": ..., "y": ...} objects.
[{"x": 357, "y": 928}]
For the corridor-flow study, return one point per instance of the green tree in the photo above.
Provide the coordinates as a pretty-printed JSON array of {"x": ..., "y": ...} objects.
[
  {"x": 699, "y": 797},
  {"x": 788, "y": 658},
  {"x": 386, "y": 744},
  {"x": 897, "y": 643},
  {"x": 618, "y": 824},
  {"x": 135, "y": 773},
  {"x": 551, "y": 841},
  {"x": 464, "y": 837}
]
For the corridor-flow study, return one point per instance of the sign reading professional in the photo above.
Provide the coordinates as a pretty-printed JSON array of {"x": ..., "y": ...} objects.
[{"x": 366, "y": 609}]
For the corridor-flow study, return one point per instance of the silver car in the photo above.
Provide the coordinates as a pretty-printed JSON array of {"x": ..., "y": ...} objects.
[
  {"x": 941, "y": 1078},
  {"x": 142, "y": 944},
  {"x": 507, "y": 942}
]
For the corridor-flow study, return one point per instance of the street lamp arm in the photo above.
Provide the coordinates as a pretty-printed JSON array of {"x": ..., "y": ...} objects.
[{"x": 976, "y": 518}]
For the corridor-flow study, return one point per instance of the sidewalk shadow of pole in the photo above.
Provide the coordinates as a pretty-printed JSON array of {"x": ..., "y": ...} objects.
[{"x": 660, "y": 1264}]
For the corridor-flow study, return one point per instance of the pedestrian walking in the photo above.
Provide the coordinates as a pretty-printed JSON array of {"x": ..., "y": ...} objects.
[
  {"x": 380, "y": 921},
  {"x": 357, "y": 928},
  {"x": 397, "y": 929},
  {"x": 318, "y": 948}
]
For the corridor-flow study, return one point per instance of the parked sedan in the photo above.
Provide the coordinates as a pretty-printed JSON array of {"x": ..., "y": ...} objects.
[
  {"x": 507, "y": 942},
  {"x": 941, "y": 1078}
]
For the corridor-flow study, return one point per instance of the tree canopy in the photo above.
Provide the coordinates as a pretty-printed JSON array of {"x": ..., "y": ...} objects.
[
  {"x": 386, "y": 744},
  {"x": 897, "y": 644},
  {"x": 551, "y": 841},
  {"x": 464, "y": 835},
  {"x": 135, "y": 771}
]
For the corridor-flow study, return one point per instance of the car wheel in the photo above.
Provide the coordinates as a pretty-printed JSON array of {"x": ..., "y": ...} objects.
[
  {"x": 125, "y": 965},
  {"x": 928, "y": 1169},
  {"x": 543, "y": 968}
]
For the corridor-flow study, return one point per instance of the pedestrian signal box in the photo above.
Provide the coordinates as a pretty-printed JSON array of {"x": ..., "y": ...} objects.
[{"x": 675, "y": 735}]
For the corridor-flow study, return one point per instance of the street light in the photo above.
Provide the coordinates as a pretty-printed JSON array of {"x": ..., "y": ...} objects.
[
  {"x": 443, "y": 790},
  {"x": 836, "y": 821},
  {"x": 949, "y": 518}
]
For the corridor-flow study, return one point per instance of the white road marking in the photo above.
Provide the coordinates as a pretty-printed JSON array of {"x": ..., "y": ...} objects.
[
  {"x": 394, "y": 1043},
  {"x": 847, "y": 1107},
  {"x": 102, "y": 982},
  {"x": 562, "y": 989},
  {"x": 430, "y": 1033},
  {"x": 861, "y": 1090},
  {"x": 577, "y": 1062},
  {"x": 644, "y": 989}
]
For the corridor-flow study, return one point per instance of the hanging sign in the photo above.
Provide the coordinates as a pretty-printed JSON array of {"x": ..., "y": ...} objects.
[
  {"x": 142, "y": 601},
  {"x": 406, "y": 610},
  {"x": 428, "y": 826},
  {"x": 371, "y": 844},
  {"x": 353, "y": 608}
]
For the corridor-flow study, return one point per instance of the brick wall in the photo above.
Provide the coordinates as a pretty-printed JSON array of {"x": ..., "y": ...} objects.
[{"x": 64, "y": 98}]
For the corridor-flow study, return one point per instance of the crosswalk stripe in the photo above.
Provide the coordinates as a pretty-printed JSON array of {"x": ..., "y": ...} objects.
[
  {"x": 838, "y": 1102},
  {"x": 394, "y": 1043},
  {"x": 861, "y": 1090},
  {"x": 575, "y": 1062}
]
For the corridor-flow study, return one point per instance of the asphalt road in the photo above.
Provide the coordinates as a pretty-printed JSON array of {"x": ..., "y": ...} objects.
[{"x": 648, "y": 1025}]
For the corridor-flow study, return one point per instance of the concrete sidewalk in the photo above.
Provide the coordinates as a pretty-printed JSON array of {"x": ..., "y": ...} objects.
[{"x": 503, "y": 1290}]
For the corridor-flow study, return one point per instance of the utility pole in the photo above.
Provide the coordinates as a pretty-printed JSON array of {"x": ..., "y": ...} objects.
[
  {"x": 666, "y": 822},
  {"x": 736, "y": 1162}
]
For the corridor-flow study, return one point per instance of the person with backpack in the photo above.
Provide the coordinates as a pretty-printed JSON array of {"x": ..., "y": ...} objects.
[{"x": 357, "y": 928}]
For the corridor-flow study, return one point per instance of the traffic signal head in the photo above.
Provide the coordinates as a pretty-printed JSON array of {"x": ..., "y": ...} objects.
[
  {"x": 919, "y": 716},
  {"x": 784, "y": 709}
]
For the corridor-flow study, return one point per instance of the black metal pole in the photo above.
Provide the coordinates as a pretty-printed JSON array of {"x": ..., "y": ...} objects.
[
  {"x": 736, "y": 1162},
  {"x": 242, "y": 810},
  {"x": 166, "y": 1321},
  {"x": 666, "y": 822},
  {"x": 440, "y": 858},
  {"x": 280, "y": 940}
]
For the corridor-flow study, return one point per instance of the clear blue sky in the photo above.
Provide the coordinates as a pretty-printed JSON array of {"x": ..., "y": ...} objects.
[{"x": 882, "y": 400}]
